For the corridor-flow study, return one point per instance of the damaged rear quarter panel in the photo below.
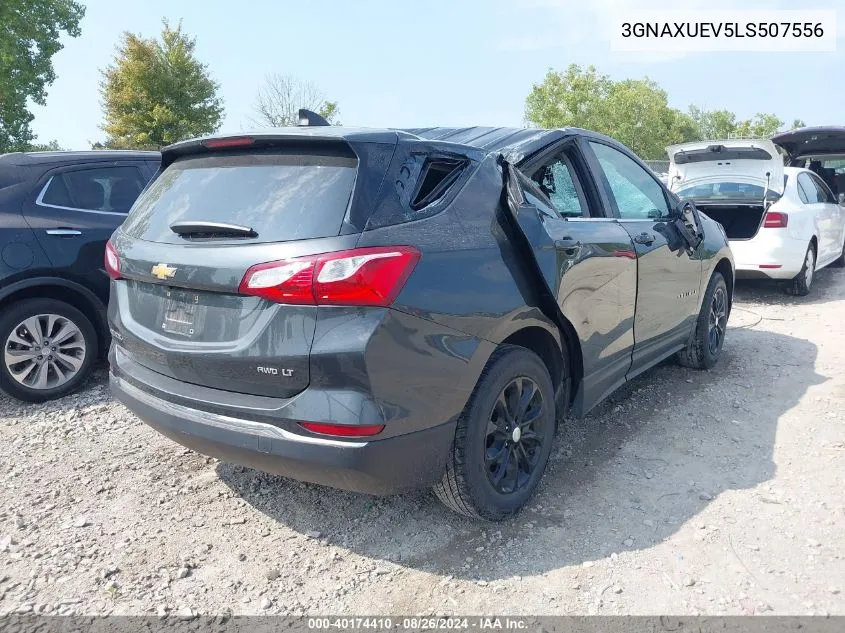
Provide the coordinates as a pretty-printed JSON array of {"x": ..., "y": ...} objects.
[
  {"x": 478, "y": 276},
  {"x": 470, "y": 279}
]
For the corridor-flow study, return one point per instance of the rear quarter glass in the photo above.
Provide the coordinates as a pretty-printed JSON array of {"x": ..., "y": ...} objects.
[{"x": 281, "y": 196}]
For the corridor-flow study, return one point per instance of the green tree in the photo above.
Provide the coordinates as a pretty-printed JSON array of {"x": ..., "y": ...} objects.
[
  {"x": 570, "y": 98},
  {"x": 723, "y": 124},
  {"x": 634, "y": 111},
  {"x": 761, "y": 125},
  {"x": 638, "y": 114},
  {"x": 684, "y": 127},
  {"x": 29, "y": 38},
  {"x": 280, "y": 98},
  {"x": 52, "y": 146},
  {"x": 713, "y": 124},
  {"x": 796, "y": 123},
  {"x": 156, "y": 92}
]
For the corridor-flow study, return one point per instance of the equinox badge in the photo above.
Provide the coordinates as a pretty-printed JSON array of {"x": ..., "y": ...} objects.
[{"x": 163, "y": 271}]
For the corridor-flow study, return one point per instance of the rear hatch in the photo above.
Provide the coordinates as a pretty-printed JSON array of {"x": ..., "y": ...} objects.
[
  {"x": 213, "y": 213},
  {"x": 732, "y": 181},
  {"x": 812, "y": 141},
  {"x": 740, "y": 161}
]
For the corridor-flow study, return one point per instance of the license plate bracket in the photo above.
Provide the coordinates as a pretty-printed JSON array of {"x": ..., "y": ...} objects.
[{"x": 183, "y": 314}]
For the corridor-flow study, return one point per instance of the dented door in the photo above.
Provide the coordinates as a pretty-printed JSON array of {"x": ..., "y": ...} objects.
[{"x": 589, "y": 266}]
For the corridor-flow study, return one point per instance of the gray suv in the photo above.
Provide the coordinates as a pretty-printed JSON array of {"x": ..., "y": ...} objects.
[{"x": 378, "y": 310}]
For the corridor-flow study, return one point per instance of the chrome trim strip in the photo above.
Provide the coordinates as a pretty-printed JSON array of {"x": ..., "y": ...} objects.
[
  {"x": 39, "y": 201},
  {"x": 63, "y": 232},
  {"x": 226, "y": 422}
]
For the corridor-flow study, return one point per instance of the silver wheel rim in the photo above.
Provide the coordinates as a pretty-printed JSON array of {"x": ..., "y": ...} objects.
[
  {"x": 809, "y": 267},
  {"x": 44, "y": 351}
]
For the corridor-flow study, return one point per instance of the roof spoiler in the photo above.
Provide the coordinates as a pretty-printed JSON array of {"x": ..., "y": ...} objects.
[{"x": 307, "y": 118}]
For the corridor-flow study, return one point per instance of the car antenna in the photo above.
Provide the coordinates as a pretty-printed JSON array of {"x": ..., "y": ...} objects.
[{"x": 307, "y": 118}]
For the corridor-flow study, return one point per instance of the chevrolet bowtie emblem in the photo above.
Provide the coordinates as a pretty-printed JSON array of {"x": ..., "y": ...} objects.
[{"x": 163, "y": 271}]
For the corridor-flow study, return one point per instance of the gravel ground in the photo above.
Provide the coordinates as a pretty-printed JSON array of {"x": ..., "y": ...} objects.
[{"x": 688, "y": 492}]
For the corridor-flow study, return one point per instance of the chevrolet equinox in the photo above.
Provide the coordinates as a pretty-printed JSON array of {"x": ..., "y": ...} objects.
[{"x": 378, "y": 310}]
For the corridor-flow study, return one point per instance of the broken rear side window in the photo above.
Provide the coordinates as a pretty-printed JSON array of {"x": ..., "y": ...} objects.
[
  {"x": 435, "y": 178},
  {"x": 423, "y": 184}
]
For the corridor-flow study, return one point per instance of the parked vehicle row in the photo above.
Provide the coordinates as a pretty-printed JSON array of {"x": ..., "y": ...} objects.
[{"x": 783, "y": 223}]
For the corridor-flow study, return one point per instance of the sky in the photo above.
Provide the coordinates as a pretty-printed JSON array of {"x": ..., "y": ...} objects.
[{"x": 435, "y": 63}]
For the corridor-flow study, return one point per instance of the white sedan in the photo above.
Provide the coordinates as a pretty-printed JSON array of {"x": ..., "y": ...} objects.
[{"x": 782, "y": 222}]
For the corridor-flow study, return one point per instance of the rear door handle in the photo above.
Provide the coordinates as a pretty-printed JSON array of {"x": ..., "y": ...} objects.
[
  {"x": 567, "y": 242},
  {"x": 63, "y": 232},
  {"x": 645, "y": 238}
]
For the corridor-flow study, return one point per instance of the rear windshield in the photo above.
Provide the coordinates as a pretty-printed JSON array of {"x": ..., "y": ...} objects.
[
  {"x": 738, "y": 191},
  {"x": 836, "y": 165},
  {"x": 279, "y": 196}
]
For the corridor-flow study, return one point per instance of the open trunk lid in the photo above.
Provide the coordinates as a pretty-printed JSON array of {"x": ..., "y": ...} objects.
[
  {"x": 812, "y": 141},
  {"x": 207, "y": 219},
  {"x": 737, "y": 161}
]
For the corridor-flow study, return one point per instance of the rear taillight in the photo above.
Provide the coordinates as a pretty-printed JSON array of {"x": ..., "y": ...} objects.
[
  {"x": 775, "y": 220},
  {"x": 359, "y": 277},
  {"x": 343, "y": 430},
  {"x": 112, "y": 261}
]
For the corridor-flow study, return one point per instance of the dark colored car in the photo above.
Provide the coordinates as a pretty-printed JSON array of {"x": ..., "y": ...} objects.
[
  {"x": 383, "y": 310},
  {"x": 57, "y": 210},
  {"x": 819, "y": 149}
]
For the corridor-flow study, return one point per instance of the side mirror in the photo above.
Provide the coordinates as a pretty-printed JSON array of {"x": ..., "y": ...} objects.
[
  {"x": 842, "y": 198},
  {"x": 688, "y": 215},
  {"x": 689, "y": 225},
  {"x": 676, "y": 210}
]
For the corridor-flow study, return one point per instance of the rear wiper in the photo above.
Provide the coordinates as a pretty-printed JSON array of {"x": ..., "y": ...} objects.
[{"x": 201, "y": 228}]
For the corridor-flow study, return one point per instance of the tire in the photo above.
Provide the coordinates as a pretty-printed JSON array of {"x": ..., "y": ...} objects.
[
  {"x": 802, "y": 282},
  {"x": 468, "y": 484},
  {"x": 63, "y": 373},
  {"x": 839, "y": 262},
  {"x": 703, "y": 351}
]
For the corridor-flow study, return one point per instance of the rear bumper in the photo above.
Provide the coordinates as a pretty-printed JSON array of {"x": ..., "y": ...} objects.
[
  {"x": 366, "y": 366},
  {"x": 770, "y": 247},
  {"x": 380, "y": 467}
]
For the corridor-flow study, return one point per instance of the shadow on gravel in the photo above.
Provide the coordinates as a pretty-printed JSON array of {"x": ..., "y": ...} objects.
[
  {"x": 628, "y": 476},
  {"x": 826, "y": 287}
]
